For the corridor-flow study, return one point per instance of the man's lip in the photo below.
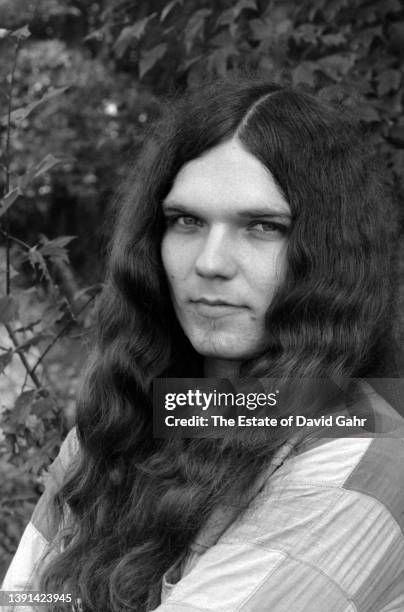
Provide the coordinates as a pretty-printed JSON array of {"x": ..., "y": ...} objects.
[{"x": 216, "y": 302}]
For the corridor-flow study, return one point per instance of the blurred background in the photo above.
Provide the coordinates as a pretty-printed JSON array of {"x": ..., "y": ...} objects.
[{"x": 80, "y": 81}]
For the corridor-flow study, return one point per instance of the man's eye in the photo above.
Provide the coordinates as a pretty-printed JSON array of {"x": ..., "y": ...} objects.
[
  {"x": 268, "y": 227},
  {"x": 184, "y": 220}
]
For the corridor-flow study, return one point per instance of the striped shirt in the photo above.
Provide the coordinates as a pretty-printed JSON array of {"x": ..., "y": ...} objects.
[{"x": 323, "y": 532}]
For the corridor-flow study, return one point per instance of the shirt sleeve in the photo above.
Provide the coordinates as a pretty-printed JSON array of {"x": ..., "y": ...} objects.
[
  {"x": 308, "y": 544},
  {"x": 23, "y": 572}
]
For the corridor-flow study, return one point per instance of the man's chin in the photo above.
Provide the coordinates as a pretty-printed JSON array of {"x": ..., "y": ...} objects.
[{"x": 216, "y": 349}]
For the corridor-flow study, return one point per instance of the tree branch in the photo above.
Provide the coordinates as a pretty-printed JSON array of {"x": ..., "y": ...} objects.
[
  {"x": 23, "y": 358},
  {"x": 64, "y": 329},
  {"x": 21, "y": 243},
  {"x": 7, "y": 165}
]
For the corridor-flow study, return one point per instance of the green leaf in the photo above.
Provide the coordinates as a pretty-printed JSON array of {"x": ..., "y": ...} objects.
[
  {"x": 8, "y": 309},
  {"x": 132, "y": 33},
  {"x": 194, "y": 28},
  {"x": 20, "y": 114},
  {"x": 5, "y": 359},
  {"x": 21, "y": 34},
  {"x": 168, "y": 8},
  {"x": 150, "y": 57},
  {"x": 9, "y": 200}
]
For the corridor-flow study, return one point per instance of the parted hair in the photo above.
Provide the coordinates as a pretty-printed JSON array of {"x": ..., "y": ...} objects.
[{"x": 135, "y": 502}]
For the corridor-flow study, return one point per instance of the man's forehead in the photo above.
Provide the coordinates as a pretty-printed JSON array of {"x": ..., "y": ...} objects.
[{"x": 227, "y": 176}]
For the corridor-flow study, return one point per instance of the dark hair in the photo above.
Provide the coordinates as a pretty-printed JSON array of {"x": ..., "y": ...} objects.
[{"x": 137, "y": 502}]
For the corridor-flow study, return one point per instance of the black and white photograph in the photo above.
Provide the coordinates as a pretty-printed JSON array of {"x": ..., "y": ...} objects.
[{"x": 201, "y": 306}]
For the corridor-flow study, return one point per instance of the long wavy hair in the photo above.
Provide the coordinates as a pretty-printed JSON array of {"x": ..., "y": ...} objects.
[{"x": 135, "y": 502}]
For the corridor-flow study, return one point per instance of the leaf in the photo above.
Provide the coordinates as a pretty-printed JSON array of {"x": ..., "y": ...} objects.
[
  {"x": 61, "y": 241},
  {"x": 398, "y": 163},
  {"x": 20, "y": 114},
  {"x": 5, "y": 359},
  {"x": 9, "y": 200},
  {"x": 305, "y": 73},
  {"x": 21, "y": 34},
  {"x": 22, "y": 407},
  {"x": 218, "y": 60},
  {"x": 396, "y": 35},
  {"x": 369, "y": 114},
  {"x": 132, "y": 33},
  {"x": 396, "y": 135},
  {"x": 52, "y": 314},
  {"x": 225, "y": 18},
  {"x": 90, "y": 291},
  {"x": 229, "y": 16},
  {"x": 390, "y": 6},
  {"x": 388, "y": 80},
  {"x": 334, "y": 40},
  {"x": 337, "y": 65},
  {"x": 44, "y": 407},
  {"x": 194, "y": 27},
  {"x": 307, "y": 32},
  {"x": 8, "y": 309},
  {"x": 168, "y": 8},
  {"x": 36, "y": 259},
  {"x": 25, "y": 346},
  {"x": 3, "y": 269},
  {"x": 46, "y": 164},
  {"x": 96, "y": 34},
  {"x": 55, "y": 249},
  {"x": 150, "y": 57},
  {"x": 242, "y": 5},
  {"x": 260, "y": 28}
]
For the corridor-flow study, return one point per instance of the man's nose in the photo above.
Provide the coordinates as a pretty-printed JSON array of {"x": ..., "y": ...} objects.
[{"x": 217, "y": 255}]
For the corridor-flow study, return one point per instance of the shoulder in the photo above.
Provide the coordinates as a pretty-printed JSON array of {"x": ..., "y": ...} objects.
[
  {"x": 324, "y": 532},
  {"x": 334, "y": 515},
  {"x": 34, "y": 545},
  {"x": 66, "y": 458},
  {"x": 44, "y": 519}
]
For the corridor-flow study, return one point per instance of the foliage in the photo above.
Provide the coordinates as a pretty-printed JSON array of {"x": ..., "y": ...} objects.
[
  {"x": 84, "y": 86},
  {"x": 345, "y": 51},
  {"x": 36, "y": 313}
]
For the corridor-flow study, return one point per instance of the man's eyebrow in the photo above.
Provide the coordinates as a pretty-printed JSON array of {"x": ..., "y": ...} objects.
[
  {"x": 249, "y": 213},
  {"x": 252, "y": 213}
]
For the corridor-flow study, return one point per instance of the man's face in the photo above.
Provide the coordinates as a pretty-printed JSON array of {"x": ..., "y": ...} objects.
[{"x": 224, "y": 250}]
